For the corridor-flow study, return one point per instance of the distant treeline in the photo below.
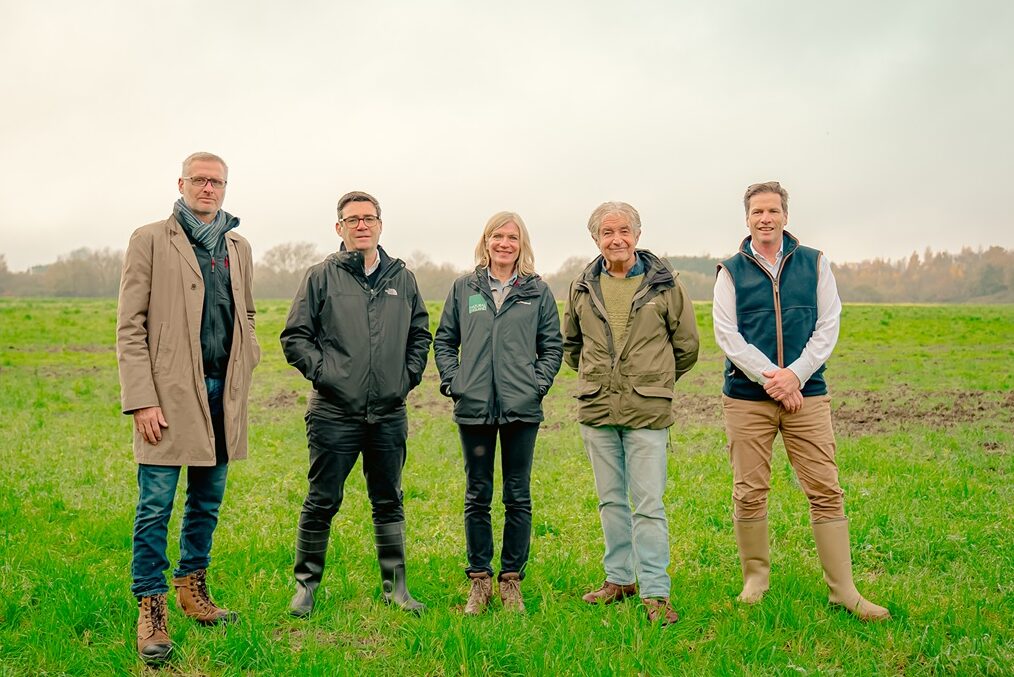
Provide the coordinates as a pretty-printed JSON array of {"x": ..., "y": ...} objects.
[{"x": 971, "y": 276}]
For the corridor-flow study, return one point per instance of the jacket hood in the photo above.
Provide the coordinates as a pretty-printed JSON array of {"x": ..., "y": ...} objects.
[
  {"x": 656, "y": 270},
  {"x": 353, "y": 260},
  {"x": 524, "y": 283}
]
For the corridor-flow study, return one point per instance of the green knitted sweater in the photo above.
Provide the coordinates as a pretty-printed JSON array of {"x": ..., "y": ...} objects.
[{"x": 618, "y": 294}]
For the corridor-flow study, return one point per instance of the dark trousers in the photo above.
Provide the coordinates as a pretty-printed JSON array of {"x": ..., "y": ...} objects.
[
  {"x": 517, "y": 449},
  {"x": 335, "y": 445},
  {"x": 156, "y": 486}
]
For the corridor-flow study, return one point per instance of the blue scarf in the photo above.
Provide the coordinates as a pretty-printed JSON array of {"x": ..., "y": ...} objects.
[{"x": 208, "y": 235}]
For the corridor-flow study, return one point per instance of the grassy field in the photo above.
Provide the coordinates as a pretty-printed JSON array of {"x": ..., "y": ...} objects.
[{"x": 923, "y": 400}]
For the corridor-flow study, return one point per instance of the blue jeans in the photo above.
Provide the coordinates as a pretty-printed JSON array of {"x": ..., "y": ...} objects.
[
  {"x": 630, "y": 469},
  {"x": 156, "y": 490}
]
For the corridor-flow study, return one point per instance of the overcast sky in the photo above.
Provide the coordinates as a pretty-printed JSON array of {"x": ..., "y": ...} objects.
[{"x": 890, "y": 123}]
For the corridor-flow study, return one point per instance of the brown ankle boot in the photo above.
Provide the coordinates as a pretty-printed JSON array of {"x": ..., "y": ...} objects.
[
  {"x": 510, "y": 592},
  {"x": 660, "y": 610},
  {"x": 479, "y": 594},
  {"x": 193, "y": 598},
  {"x": 153, "y": 643},
  {"x": 610, "y": 592}
]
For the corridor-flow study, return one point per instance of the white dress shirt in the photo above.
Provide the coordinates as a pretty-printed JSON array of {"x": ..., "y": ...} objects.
[{"x": 750, "y": 360}]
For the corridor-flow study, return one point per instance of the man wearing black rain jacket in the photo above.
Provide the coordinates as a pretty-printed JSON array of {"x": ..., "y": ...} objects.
[{"x": 359, "y": 331}]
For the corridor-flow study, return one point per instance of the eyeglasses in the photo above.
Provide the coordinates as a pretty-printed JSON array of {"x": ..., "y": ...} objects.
[
  {"x": 353, "y": 221},
  {"x": 202, "y": 181}
]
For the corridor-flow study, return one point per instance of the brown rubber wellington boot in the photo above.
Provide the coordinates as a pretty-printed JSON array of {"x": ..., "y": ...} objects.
[
  {"x": 153, "y": 643},
  {"x": 754, "y": 558},
  {"x": 193, "y": 598},
  {"x": 479, "y": 594},
  {"x": 510, "y": 592},
  {"x": 832, "y": 538},
  {"x": 660, "y": 610},
  {"x": 610, "y": 592}
]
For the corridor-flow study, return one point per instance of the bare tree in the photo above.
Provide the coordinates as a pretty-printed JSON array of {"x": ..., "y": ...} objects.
[
  {"x": 280, "y": 270},
  {"x": 84, "y": 272}
]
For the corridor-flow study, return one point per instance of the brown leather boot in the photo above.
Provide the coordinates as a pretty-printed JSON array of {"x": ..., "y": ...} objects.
[
  {"x": 610, "y": 592},
  {"x": 153, "y": 643},
  {"x": 660, "y": 610},
  {"x": 510, "y": 592},
  {"x": 193, "y": 598},
  {"x": 479, "y": 594},
  {"x": 832, "y": 538}
]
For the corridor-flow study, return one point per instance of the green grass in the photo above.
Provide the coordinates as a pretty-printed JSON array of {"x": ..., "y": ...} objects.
[{"x": 923, "y": 408}]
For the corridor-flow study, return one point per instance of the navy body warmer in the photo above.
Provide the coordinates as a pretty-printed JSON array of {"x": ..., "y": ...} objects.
[{"x": 777, "y": 315}]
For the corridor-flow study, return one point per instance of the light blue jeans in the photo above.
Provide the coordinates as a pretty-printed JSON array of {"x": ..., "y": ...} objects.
[{"x": 630, "y": 471}]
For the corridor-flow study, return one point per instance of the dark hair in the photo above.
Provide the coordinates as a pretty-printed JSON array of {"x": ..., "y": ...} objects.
[{"x": 357, "y": 196}]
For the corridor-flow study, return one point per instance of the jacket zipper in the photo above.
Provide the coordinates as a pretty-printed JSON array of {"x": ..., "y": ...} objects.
[
  {"x": 776, "y": 293},
  {"x": 371, "y": 295}
]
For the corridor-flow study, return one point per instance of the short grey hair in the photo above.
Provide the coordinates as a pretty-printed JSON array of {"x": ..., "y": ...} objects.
[
  {"x": 205, "y": 157},
  {"x": 606, "y": 208}
]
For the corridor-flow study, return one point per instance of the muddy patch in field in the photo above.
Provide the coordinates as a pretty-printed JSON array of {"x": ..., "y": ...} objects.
[
  {"x": 871, "y": 412},
  {"x": 283, "y": 399},
  {"x": 860, "y": 412},
  {"x": 427, "y": 397}
]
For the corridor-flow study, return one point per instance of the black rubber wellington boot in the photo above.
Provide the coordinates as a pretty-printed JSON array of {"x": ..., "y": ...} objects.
[
  {"x": 390, "y": 540},
  {"x": 311, "y": 550}
]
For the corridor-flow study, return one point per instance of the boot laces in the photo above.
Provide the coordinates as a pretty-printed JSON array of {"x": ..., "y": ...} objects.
[
  {"x": 199, "y": 585},
  {"x": 480, "y": 591},
  {"x": 511, "y": 588},
  {"x": 157, "y": 615}
]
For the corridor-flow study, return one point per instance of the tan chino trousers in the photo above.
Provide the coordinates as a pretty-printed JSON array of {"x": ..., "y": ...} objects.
[{"x": 809, "y": 442}]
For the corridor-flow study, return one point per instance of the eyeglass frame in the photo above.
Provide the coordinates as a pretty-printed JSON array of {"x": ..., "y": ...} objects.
[
  {"x": 194, "y": 179},
  {"x": 356, "y": 219}
]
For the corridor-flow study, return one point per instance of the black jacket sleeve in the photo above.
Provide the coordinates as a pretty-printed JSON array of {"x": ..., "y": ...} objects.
[
  {"x": 419, "y": 337},
  {"x": 300, "y": 342},
  {"x": 447, "y": 341},
  {"x": 548, "y": 343}
]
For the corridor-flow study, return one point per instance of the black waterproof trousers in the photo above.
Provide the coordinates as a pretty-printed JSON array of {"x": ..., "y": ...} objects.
[{"x": 335, "y": 445}]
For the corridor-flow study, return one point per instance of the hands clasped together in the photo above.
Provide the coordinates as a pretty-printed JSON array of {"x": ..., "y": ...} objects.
[{"x": 783, "y": 385}]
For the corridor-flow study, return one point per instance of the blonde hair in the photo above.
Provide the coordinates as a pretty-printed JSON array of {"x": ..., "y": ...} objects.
[{"x": 526, "y": 257}]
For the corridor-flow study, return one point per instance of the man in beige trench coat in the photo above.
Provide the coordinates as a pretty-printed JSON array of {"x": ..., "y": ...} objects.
[{"x": 186, "y": 349}]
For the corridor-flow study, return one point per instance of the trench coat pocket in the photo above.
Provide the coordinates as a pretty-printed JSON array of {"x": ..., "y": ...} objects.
[{"x": 156, "y": 365}]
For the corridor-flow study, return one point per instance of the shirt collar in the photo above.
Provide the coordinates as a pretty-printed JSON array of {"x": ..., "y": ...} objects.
[
  {"x": 493, "y": 282},
  {"x": 372, "y": 269},
  {"x": 778, "y": 256},
  {"x": 637, "y": 269}
]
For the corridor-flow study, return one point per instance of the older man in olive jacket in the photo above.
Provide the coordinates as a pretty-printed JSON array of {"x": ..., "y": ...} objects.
[
  {"x": 629, "y": 330},
  {"x": 186, "y": 348}
]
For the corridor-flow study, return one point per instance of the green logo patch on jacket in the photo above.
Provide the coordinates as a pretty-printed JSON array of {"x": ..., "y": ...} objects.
[{"x": 476, "y": 303}]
